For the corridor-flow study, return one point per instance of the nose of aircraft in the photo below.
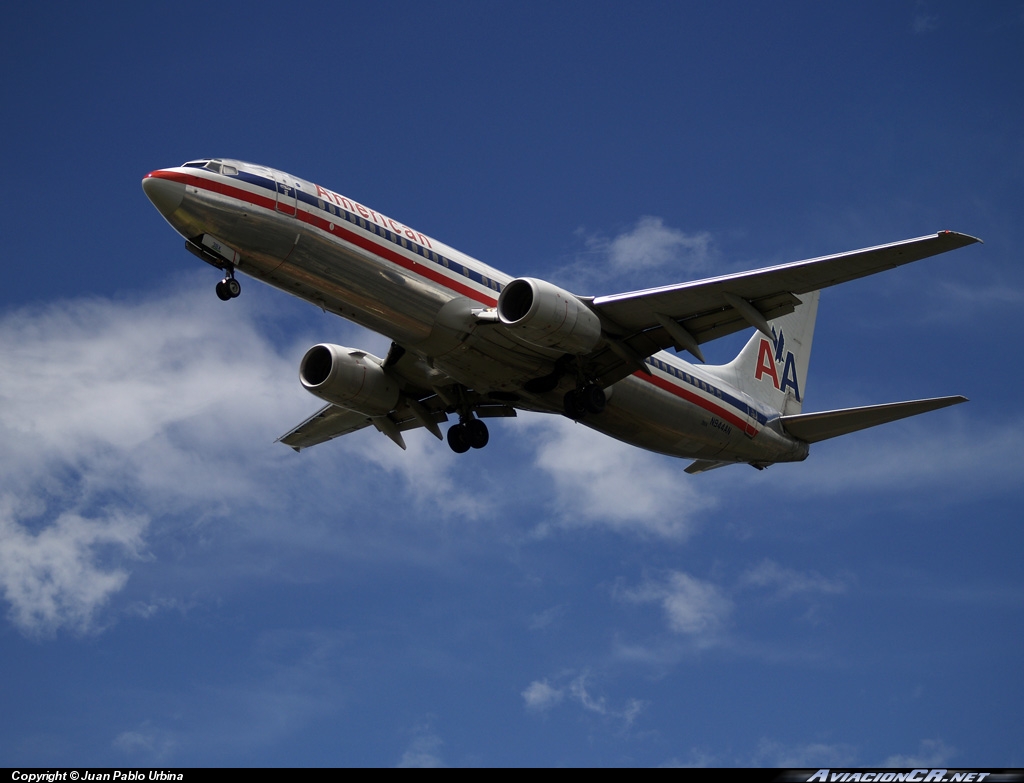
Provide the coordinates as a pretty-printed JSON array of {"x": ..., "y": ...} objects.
[{"x": 165, "y": 194}]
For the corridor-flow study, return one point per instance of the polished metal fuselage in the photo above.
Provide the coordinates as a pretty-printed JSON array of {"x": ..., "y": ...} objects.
[{"x": 366, "y": 267}]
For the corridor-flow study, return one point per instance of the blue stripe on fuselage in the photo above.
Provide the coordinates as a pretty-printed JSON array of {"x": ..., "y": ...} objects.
[
  {"x": 432, "y": 256},
  {"x": 317, "y": 203},
  {"x": 702, "y": 385}
]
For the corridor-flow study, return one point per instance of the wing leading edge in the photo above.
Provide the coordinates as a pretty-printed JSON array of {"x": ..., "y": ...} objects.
[{"x": 687, "y": 314}]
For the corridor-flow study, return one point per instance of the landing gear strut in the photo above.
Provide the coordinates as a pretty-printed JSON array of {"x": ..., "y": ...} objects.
[
  {"x": 590, "y": 398},
  {"x": 468, "y": 434},
  {"x": 228, "y": 288}
]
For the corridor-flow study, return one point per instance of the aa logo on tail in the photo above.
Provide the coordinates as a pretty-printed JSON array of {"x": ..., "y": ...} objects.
[{"x": 769, "y": 361}]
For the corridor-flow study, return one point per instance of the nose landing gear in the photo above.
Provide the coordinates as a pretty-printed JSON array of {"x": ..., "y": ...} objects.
[{"x": 228, "y": 288}]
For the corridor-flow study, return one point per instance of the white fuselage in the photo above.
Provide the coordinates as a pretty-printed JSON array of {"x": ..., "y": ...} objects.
[{"x": 366, "y": 267}]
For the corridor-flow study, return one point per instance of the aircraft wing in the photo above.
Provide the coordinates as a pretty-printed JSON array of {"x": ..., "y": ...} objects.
[
  {"x": 640, "y": 323},
  {"x": 324, "y": 425},
  {"x": 427, "y": 398},
  {"x": 332, "y": 422}
]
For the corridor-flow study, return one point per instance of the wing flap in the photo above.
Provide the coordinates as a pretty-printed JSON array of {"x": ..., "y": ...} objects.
[
  {"x": 815, "y": 427},
  {"x": 326, "y": 424},
  {"x": 332, "y": 422}
]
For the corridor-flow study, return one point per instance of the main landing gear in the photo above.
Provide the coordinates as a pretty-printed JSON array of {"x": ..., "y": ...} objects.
[
  {"x": 589, "y": 398},
  {"x": 468, "y": 434},
  {"x": 228, "y": 288}
]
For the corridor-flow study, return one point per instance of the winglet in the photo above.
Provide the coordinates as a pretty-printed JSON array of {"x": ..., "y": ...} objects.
[{"x": 964, "y": 239}]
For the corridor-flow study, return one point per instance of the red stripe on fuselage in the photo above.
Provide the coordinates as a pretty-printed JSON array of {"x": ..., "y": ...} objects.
[
  {"x": 364, "y": 242},
  {"x": 217, "y": 187},
  {"x": 696, "y": 399},
  {"x": 423, "y": 270}
]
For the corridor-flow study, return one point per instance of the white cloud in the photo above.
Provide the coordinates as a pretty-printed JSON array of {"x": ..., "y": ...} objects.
[
  {"x": 931, "y": 753},
  {"x": 540, "y": 696},
  {"x": 630, "y": 257},
  {"x": 692, "y": 607},
  {"x": 424, "y": 751},
  {"x": 148, "y": 742},
  {"x": 112, "y": 412},
  {"x": 546, "y": 618},
  {"x": 117, "y": 416},
  {"x": 652, "y": 244},
  {"x": 426, "y": 466},
  {"x": 770, "y": 753},
  {"x": 786, "y": 582},
  {"x": 924, "y": 22},
  {"x": 579, "y": 693},
  {"x": 63, "y": 574},
  {"x": 811, "y": 754},
  {"x": 124, "y": 387},
  {"x": 971, "y": 296},
  {"x": 602, "y": 482},
  {"x": 699, "y": 759}
]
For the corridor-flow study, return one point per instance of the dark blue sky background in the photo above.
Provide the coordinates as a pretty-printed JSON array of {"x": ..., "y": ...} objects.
[{"x": 179, "y": 590}]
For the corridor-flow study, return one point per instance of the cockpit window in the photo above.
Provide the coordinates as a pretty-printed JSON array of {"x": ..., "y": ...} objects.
[
  {"x": 228, "y": 170},
  {"x": 210, "y": 165}
]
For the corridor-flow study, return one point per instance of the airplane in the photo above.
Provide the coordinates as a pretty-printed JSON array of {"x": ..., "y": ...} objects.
[{"x": 472, "y": 342}]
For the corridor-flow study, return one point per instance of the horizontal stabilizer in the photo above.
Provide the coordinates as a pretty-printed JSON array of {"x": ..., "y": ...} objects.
[
  {"x": 814, "y": 427},
  {"x": 704, "y": 465}
]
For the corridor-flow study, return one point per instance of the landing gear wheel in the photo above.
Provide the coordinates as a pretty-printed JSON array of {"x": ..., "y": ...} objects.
[
  {"x": 477, "y": 433},
  {"x": 574, "y": 408},
  {"x": 593, "y": 398},
  {"x": 458, "y": 438},
  {"x": 228, "y": 288},
  {"x": 589, "y": 399}
]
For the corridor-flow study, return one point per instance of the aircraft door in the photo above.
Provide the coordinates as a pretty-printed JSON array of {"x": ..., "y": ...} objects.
[{"x": 286, "y": 194}]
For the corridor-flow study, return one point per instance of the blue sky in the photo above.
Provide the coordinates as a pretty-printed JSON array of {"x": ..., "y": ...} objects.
[{"x": 179, "y": 590}]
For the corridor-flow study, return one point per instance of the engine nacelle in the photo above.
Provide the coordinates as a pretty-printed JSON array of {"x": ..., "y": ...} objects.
[
  {"x": 349, "y": 378},
  {"x": 546, "y": 315}
]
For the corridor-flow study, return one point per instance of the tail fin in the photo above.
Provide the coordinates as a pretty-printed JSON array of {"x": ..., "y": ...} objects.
[{"x": 775, "y": 370}]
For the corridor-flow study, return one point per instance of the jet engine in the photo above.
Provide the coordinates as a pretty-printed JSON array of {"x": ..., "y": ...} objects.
[
  {"x": 548, "y": 316},
  {"x": 349, "y": 378}
]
